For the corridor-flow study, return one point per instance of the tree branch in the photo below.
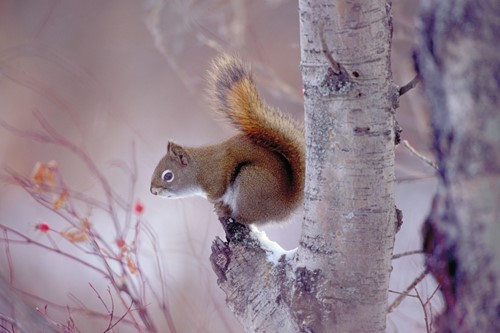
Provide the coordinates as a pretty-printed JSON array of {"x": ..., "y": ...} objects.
[
  {"x": 409, "y": 86},
  {"x": 256, "y": 286}
]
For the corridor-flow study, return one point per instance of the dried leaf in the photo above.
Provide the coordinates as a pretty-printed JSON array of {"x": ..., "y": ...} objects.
[
  {"x": 86, "y": 223},
  {"x": 61, "y": 199},
  {"x": 43, "y": 174},
  {"x": 131, "y": 265},
  {"x": 75, "y": 236}
]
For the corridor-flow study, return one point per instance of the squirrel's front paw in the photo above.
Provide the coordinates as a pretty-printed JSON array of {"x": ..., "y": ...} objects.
[{"x": 222, "y": 210}]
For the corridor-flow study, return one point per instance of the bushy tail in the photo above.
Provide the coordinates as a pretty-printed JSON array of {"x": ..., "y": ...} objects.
[{"x": 235, "y": 95}]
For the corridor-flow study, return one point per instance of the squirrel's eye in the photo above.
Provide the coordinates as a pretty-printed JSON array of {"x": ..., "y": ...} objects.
[{"x": 167, "y": 176}]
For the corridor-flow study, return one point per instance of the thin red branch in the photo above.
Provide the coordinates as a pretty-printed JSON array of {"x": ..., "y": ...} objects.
[
  {"x": 119, "y": 287},
  {"x": 131, "y": 192},
  {"x": 27, "y": 240},
  {"x": 102, "y": 301},
  {"x": 131, "y": 286},
  {"x": 73, "y": 219},
  {"x": 424, "y": 309},
  {"x": 84, "y": 156},
  {"x": 120, "y": 319},
  {"x": 14, "y": 325},
  {"x": 111, "y": 311},
  {"x": 9, "y": 258},
  {"x": 81, "y": 308}
]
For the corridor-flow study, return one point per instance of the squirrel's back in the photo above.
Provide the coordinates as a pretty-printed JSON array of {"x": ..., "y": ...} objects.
[{"x": 234, "y": 94}]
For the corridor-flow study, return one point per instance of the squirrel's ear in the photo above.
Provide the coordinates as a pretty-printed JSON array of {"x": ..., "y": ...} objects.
[{"x": 178, "y": 153}]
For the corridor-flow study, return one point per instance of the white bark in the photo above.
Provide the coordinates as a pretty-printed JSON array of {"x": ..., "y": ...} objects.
[
  {"x": 258, "y": 289},
  {"x": 350, "y": 213}
]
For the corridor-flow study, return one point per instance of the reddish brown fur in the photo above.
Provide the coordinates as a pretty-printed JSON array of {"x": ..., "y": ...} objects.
[
  {"x": 254, "y": 177},
  {"x": 234, "y": 94}
]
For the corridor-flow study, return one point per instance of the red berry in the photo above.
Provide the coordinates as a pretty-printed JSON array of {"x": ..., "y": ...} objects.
[
  {"x": 120, "y": 243},
  {"x": 43, "y": 227},
  {"x": 138, "y": 207}
]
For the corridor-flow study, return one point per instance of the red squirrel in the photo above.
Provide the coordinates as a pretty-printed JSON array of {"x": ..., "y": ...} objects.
[{"x": 254, "y": 177}]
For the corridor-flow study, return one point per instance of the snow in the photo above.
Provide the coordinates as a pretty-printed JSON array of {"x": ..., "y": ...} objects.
[{"x": 273, "y": 250}]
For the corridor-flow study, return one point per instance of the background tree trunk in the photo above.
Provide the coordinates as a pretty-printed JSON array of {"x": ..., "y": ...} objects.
[
  {"x": 459, "y": 61},
  {"x": 16, "y": 316},
  {"x": 337, "y": 280}
]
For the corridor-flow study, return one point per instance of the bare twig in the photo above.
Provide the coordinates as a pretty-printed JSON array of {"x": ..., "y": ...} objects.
[
  {"x": 153, "y": 24},
  {"x": 326, "y": 50},
  {"x": 120, "y": 319},
  {"x": 71, "y": 322},
  {"x": 110, "y": 312},
  {"x": 80, "y": 308},
  {"x": 424, "y": 304},
  {"x": 404, "y": 254},
  {"x": 412, "y": 150},
  {"x": 276, "y": 84},
  {"x": 400, "y": 293},
  {"x": 69, "y": 327},
  {"x": 9, "y": 257},
  {"x": 430, "y": 307},
  {"x": 405, "y": 293},
  {"x": 414, "y": 179},
  {"x": 56, "y": 138},
  {"x": 30, "y": 241},
  {"x": 409, "y": 86},
  {"x": 119, "y": 263},
  {"x": 53, "y": 137},
  {"x": 210, "y": 42},
  {"x": 161, "y": 298},
  {"x": 14, "y": 326},
  {"x": 132, "y": 173}
]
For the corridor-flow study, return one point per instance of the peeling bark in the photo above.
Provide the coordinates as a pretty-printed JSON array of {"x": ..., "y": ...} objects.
[
  {"x": 337, "y": 279},
  {"x": 459, "y": 61},
  {"x": 257, "y": 289}
]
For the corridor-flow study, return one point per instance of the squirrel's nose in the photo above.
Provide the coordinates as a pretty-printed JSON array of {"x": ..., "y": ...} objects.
[{"x": 153, "y": 190}]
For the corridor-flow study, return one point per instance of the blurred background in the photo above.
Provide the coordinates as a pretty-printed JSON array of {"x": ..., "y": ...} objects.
[{"x": 119, "y": 78}]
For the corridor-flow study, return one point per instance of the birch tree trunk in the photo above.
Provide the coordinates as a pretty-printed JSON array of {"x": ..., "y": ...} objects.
[
  {"x": 337, "y": 279},
  {"x": 459, "y": 61},
  {"x": 350, "y": 216}
]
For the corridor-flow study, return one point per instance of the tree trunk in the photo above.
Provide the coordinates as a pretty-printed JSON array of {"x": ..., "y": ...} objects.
[
  {"x": 337, "y": 279},
  {"x": 350, "y": 218},
  {"x": 459, "y": 61},
  {"x": 16, "y": 316}
]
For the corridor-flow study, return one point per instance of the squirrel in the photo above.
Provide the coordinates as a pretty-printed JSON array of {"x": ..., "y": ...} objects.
[{"x": 254, "y": 177}]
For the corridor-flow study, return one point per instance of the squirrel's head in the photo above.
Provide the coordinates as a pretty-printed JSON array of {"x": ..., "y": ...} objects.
[{"x": 174, "y": 176}]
